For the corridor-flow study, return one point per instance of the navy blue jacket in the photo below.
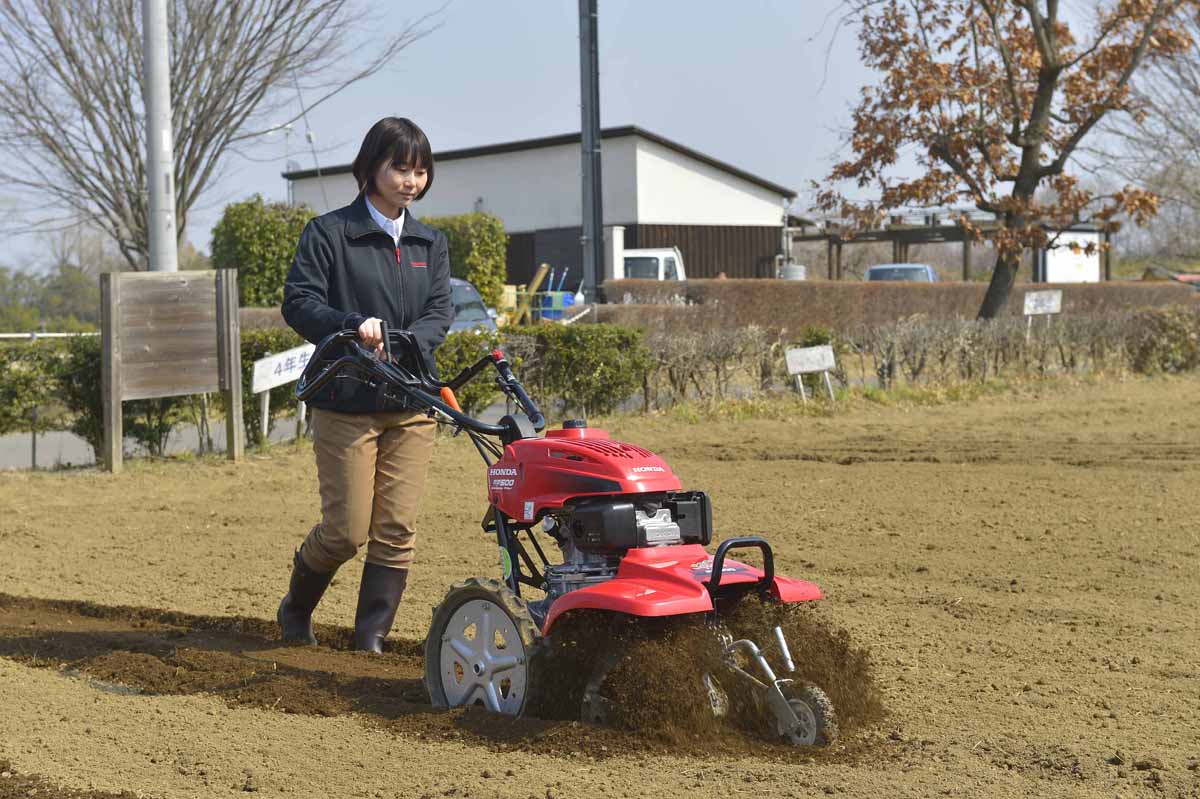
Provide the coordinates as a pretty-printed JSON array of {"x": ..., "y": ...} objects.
[{"x": 348, "y": 269}]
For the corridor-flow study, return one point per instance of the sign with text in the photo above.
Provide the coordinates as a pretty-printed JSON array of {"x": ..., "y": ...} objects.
[
  {"x": 280, "y": 368},
  {"x": 806, "y": 360},
  {"x": 1038, "y": 303}
]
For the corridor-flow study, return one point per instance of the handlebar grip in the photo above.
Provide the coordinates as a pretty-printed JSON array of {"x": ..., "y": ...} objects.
[
  {"x": 527, "y": 404},
  {"x": 449, "y": 398}
]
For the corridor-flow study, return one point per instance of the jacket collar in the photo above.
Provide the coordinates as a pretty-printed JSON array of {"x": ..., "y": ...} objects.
[{"x": 359, "y": 222}]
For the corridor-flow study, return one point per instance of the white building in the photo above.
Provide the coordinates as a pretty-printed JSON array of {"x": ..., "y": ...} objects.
[{"x": 722, "y": 218}]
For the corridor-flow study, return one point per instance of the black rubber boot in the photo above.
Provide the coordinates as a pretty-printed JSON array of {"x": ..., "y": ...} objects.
[
  {"x": 296, "y": 609},
  {"x": 378, "y": 597}
]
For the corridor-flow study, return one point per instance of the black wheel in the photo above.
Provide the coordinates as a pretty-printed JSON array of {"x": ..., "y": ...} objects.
[
  {"x": 817, "y": 722},
  {"x": 483, "y": 648}
]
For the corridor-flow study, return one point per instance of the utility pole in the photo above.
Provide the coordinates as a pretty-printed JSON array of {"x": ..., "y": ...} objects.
[
  {"x": 160, "y": 147},
  {"x": 592, "y": 238}
]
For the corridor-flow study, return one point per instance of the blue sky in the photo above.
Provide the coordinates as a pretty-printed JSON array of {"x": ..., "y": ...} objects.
[
  {"x": 746, "y": 83},
  {"x": 750, "y": 83}
]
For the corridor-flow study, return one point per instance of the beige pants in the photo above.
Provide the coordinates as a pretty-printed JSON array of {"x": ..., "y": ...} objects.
[{"x": 371, "y": 469}]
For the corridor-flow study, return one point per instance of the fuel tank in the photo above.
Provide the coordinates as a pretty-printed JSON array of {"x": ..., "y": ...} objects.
[{"x": 538, "y": 474}]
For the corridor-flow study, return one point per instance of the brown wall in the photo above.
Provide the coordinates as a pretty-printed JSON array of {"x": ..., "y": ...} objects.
[
  {"x": 520, "y": 257},
  {"x": 708, "y": 250}
]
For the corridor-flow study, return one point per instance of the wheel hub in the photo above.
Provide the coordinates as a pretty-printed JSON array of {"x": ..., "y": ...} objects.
[
  {"x": 483, "y": 659},
  {"x": 804, "y": 732}
]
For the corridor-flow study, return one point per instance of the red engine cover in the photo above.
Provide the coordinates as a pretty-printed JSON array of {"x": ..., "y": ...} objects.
[
  {"x": 543, "y": 473},
  {"x": 670, "y": 581}
]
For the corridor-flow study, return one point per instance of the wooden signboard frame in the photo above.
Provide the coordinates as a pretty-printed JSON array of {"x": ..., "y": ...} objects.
[{"x": 166, "y": 334}]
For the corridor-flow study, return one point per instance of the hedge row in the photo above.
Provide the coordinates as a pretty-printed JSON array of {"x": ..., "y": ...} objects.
[
  {"x": 703, "y": 362},
  {"x": 586, "y": 368},
  {"x": 788, "y": 305},
  {"x": 598, "y": 368}
]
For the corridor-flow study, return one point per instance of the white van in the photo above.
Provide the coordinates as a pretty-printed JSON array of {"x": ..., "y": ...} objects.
[{"x": 661, "y": 263}]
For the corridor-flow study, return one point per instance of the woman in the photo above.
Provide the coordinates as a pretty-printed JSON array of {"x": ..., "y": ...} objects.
[{"x": 355, "y": 268}]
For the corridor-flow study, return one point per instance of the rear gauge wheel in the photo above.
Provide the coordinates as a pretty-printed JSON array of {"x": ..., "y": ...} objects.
[
  {"x": 483, "y": 647},
  {"x": 817, "y": 723}
]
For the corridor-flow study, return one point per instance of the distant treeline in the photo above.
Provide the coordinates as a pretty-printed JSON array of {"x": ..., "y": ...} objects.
[{"x": 65, "y": 299}]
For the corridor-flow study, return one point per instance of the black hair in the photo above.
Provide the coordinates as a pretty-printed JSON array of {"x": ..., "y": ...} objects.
[{"x": 392, "y": 139}]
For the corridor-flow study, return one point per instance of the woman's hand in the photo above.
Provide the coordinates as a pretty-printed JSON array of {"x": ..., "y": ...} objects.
[{"x": 370, "y": 333}]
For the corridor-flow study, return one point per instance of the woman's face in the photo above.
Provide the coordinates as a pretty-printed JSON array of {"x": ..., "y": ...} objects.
[{"x": 398, "y": 186}]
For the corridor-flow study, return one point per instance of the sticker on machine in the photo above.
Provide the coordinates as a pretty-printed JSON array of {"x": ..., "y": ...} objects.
[
  {"x": 704, "y": 567},
  {"x": 528, "y": 512},
  {"x": 502, "y": 477}
]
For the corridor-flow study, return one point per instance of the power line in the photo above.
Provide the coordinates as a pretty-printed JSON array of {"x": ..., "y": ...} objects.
[{"x": 308, "y": 135}]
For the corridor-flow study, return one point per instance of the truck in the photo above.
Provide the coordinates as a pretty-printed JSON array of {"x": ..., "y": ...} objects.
[{"x": 655, "y": 263}]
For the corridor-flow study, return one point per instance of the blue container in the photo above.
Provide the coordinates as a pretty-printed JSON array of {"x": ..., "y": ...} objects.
[{"x": 553, "y": 303}]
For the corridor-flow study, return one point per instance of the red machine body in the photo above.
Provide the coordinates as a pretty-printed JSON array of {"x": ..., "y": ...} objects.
[
  {"x": 671, "y": 581},
  {"x": 540, "y": 474},
  {"x": 543, "y": 475}
]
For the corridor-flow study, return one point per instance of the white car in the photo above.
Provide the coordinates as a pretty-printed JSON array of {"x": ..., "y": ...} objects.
[
  {"x": 662, "y": 263},
  {"x": 917, "y": 273}
]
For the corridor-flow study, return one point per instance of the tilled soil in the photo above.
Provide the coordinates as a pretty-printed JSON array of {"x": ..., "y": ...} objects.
[
  {"x": 140, "y": 651},
  {"x": 1021, "y": 571}
]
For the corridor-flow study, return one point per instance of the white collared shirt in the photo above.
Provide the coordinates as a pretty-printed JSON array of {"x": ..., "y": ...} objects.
[{"x": 390, "y": 226}]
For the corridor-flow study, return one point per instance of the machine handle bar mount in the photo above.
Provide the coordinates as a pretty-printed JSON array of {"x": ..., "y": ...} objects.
[
  {"x": 744, "y": 542},
  {"x": 406, "y": 372}
]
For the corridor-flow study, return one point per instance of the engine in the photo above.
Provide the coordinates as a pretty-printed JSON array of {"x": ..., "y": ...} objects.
[{"x": 594, "y": 533}]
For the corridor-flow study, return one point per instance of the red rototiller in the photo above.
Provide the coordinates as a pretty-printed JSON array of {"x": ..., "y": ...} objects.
[{"x": 629, "y": 539}]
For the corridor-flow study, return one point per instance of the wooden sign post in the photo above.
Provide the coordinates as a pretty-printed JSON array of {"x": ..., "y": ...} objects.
[
  {"x": 166, "y": 334},
  {"x": 1041, "y": 303}
]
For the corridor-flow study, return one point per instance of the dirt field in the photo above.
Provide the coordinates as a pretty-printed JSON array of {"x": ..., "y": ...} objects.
[{"x": 1022, "y": 570}]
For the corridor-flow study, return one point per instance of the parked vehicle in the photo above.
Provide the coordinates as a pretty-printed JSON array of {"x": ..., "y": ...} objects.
[
  {"x": 660, "y": 263},
  {"x": 918, "y": 273},
  {"x": 469, "y": 311}
]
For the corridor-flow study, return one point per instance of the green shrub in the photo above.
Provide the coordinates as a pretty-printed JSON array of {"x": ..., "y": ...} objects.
[
  {"x": 460, "y": 350},
  {"x": 26, "y": 370},
  {"x": 258, "y": 239},
  {"x": 151, "y": 421},
  {"x": 148, "y": 422},
  {"x": 588, "y": 368},
  {"x": 1164, "y": 340},
  {"x": 81, "y": 390},
  {"x": 478, "y": 251},
  {"x": 814, "y": 336}
]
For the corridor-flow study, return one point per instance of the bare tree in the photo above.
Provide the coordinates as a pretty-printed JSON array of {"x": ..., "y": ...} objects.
[
  {"x": 71, "y": 89},
  {"x": 1159, "y": 148}
]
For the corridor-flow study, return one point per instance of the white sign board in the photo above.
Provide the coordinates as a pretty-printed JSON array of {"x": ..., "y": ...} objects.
[
  {"x": 805, "y": 360},
  {"x": 283, "y": 367},
  {"x": 1043, "y": 302},
  {"x": 1064, "y": 265}
]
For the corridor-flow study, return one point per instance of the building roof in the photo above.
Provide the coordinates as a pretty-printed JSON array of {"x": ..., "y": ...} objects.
[{"x": 568, "y": 138}]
